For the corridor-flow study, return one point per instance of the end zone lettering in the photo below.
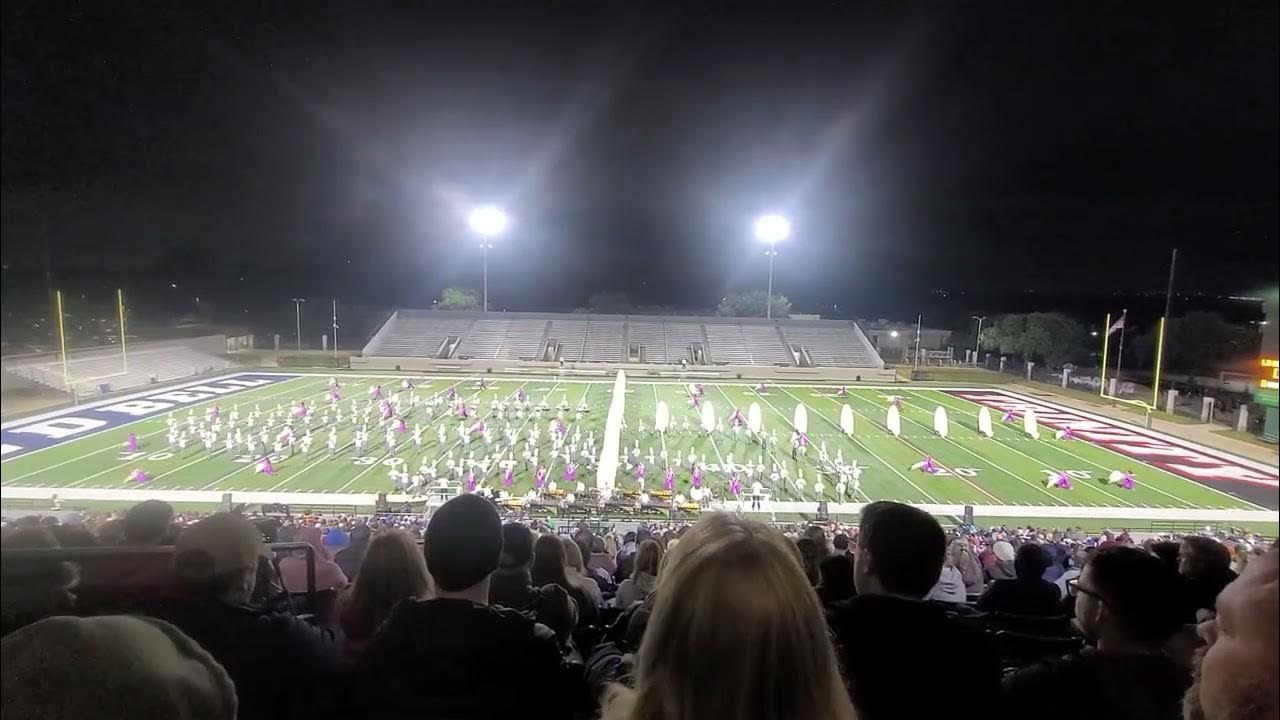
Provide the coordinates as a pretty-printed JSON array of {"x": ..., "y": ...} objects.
[
  {"x": 1152, "y": 449},
  {"x": 48, "y": 430}
]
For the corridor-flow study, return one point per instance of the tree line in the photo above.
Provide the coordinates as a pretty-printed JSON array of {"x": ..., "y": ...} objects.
[{"x": 1197, "y": 343}]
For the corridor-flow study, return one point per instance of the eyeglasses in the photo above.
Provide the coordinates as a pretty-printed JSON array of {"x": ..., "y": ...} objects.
[{"x": 1075, "y": 588}]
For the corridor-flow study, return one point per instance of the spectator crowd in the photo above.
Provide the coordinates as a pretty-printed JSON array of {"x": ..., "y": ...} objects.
[{"x": 157, "y": 615}]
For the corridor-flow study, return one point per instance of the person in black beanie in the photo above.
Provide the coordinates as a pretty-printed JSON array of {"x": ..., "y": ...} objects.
[{"x": 455, "y": 655}]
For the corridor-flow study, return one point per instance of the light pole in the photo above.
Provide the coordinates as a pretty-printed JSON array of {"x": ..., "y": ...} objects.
[
  {"x": 772, "y": 229},
  {"x": 297, "y": 310},
  {"x": 977, "y": 339},
  {"x": 487, "y": 221}
]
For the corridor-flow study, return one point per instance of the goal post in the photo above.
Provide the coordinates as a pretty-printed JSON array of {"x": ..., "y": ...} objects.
[{"x": 1103, "y": 389}]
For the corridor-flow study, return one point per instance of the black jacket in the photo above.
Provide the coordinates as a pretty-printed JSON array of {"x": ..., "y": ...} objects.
[
  {"x": 1094, "y": 684},
  {"x": 888, "y": 645},
  {"x": 447, "y": 658},
  {"x": 1022, "y": 596},
  {"x": 281, "y": 666}
]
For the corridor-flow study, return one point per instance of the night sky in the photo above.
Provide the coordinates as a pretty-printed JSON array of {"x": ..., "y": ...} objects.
[{"x": 335, "y": 149}]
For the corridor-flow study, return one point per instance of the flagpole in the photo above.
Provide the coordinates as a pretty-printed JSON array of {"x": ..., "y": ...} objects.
[
  {"x": 1106, "y": 339},
  {"x": 916, "y": 365}
]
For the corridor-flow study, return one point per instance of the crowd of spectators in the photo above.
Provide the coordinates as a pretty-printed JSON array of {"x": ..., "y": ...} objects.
[{"x": 466, "y": 616}]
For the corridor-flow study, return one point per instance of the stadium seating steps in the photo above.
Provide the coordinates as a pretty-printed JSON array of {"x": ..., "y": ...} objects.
[{"x": 619, "y": 338}]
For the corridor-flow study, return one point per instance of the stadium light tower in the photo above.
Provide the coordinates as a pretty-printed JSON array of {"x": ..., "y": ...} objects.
[
  {"x": 297, "y": 310},
  {"x": 487, "y": 221},
  {"x": 771, "y": 228}
]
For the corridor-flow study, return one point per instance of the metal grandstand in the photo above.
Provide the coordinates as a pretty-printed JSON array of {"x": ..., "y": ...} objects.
[{"x": 645, "y": 339}]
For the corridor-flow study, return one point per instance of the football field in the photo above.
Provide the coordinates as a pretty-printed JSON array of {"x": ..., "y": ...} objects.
[{"x": 82, "y": 450}]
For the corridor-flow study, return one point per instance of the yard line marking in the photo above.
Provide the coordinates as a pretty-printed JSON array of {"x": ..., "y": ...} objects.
[
  {"x": 554, "y": 456},
  {"x": 254, "y": 464},
  {"x": 1038, "y": 461},
  {"x": 140, "y": 437},
  {"x": 988, "y": 461},
  {"x": 908, "y": 444},
  {"x": 1145, "y": 485},
  {"x": 195, "y": 446},
  {"x": 378, "y": 462},
  {"x": 895, "y": 470},
  {"x": 768, "y": 450}
]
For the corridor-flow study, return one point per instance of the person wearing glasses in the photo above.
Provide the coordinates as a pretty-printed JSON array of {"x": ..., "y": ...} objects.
[{"x": 1127, "y": 605}]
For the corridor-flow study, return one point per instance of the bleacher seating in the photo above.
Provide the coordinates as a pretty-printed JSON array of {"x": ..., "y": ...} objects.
[
  {"x": 728, "y": 347},
  {"x": 570, "y": 334},
  {"x": 414, "y": 334},
  {"x": 524, "y": 339},
  {"x": 89, "y": 370},
  {"x": 651, "y": 336},
  {"x": 848, "y": 348},
  {"x": 765, "y": 345},
  {"x": 606, "y": 338},
  {"x": 603, "y": 341},
  {"x": 484, "y": 340},
  {"x": 680, "y": 335}
]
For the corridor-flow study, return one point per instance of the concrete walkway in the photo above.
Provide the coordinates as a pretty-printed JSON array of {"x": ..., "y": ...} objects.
[{"x": 1203, "y": 433}]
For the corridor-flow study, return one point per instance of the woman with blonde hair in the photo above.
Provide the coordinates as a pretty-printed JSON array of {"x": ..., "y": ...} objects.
[
  {"x": 577, "y": 570},
  {"x": 644, "y": 575},
  {"x": 393, "y": 569},
  {"x": 736, "y": 632}
]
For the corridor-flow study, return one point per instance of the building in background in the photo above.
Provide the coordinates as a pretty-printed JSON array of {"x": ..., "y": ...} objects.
[{"x": 1266, "y": 391}]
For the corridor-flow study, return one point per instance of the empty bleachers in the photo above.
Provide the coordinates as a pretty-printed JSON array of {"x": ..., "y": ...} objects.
[
  {"x": 765, "y": 345},
  {"x": 569, "y": 333},
  {"x": 415, "y": 334},
  {"x": 609, "y": 338},
  {"x": 603, "y": 341},
  {"x": 524, "y": 336},
  {"x": 97, "y": 370},
  {"x": 840, "y": 346},
  {"x": 484, "y": 340},
  {"x": 651, "y": 337},
  {"x": 728, "y": 347},
  {"x": 680, "y": 335}
]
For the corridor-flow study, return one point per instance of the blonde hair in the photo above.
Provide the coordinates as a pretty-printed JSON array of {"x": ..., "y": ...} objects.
[
  {"x": 393, "y": 569},
  {"x": 648, "y": 558},
  {"x": 736, "y": 632},
  {"x": 573, "y": 555}
]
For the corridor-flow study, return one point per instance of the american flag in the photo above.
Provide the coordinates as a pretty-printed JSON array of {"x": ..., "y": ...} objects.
[{"x": 1118, "y": 324}]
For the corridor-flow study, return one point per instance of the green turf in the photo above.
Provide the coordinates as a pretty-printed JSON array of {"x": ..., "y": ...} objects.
[{"x": 1008, "y": 469}]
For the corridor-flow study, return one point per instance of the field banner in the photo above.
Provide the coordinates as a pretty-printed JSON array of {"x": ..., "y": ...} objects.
[
  {"x": 940, "y": 424},
  {"x": 846, "y": 419},
  {"x": 984, "y": 422},
  {"x": 607, "y": 468},
  {"x": 893, "y": 421}
]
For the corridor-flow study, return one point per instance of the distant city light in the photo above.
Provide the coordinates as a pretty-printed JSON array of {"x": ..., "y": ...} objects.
[
  {"x": 487, "y": 221},
  {"x": 772, "y": 228}
]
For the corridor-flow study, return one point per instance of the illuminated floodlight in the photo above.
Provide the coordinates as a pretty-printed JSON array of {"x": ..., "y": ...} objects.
[
  {"x": 772, "y": 228},
  {"x": 893, "y": 333},
  {"x": 487, "y": 221}
]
